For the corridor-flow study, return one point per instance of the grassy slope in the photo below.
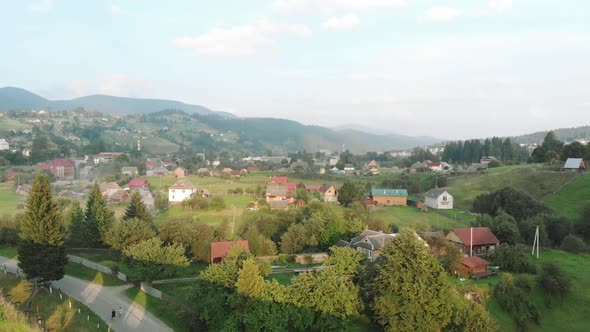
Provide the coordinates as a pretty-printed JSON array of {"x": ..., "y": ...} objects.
[
  {"x": 82, "y": 272},
  {"x": 535, "y": 182},
  {"x": 8, "y": 199},
  {"x": 403, "y": 216},
  {"x": 570, "y": 200},
  {"x": 55, "y": 313},
  {"x": 170, "y": 315}
]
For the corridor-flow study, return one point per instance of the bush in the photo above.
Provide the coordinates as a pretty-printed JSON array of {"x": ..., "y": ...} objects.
[
  {"x": 217, "y": 203},
  {"x": 573, "y": 244},
  {"x": 512, "y": 258},
  {"x": 556, "y": 282}
]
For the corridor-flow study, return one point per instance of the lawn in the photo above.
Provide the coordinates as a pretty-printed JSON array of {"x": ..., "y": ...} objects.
[
  {"x": 82, "y": 272},
  {"x": 172, "y": 316},
  {"x": 535, "y": 182},
  {"x": 404, "y": 216},
  {"x": 8, "y": 252},
  {"x": 282, "y": 278},
  {"x": 9, "y": 199},
  {"x": 179, "y": 290},
  {"x": 56, "y": 313},
  {"x": 570, "y": 200}
]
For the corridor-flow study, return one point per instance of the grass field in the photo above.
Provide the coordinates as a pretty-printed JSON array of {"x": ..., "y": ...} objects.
[
  {"x": 54, "y": 312},
  {"x": 407, "y": 216},
  {"x": 9, "y": 199},
  {"x": 570, "y": 200},
  {"x": 6, "y": 251},
  {"x": 536, "y": 183},
  {"x": 170, "y": 315},
  {"x": 179, "y": 290},
  {"x": 82, "y": 272}
]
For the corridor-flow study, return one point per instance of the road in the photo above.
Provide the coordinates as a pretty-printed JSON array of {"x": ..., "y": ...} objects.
[{"x": 102, "y": 300}]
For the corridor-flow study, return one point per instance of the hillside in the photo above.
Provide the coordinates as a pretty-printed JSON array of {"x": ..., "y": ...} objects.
[
  {"x": 562, "y": 134},
  {"x": 571, "y": 199}
]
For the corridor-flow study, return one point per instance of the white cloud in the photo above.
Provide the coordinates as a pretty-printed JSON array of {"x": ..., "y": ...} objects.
[
  {"x": 500, "y": 6},
  {"x": 41, "y": 5},
  {"x": 440, "y": 14},
  {"x": 307, "y": 6},
  {"x": 241, "y": 41},
  {"x": 342, "y": 23}
]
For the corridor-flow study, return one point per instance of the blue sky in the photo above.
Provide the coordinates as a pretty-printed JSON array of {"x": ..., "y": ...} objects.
[{"x": 452, "y": 69}]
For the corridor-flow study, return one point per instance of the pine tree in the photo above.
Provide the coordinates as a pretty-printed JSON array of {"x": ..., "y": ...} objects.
[
  {"x": 41, "y": 249},
  {"x": 137, "y": 209},
  {"x": 77, "y": 232},
  {"x": 98, "y": 218}
]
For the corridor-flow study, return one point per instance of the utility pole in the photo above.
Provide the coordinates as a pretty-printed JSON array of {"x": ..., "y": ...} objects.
[
  {"x": 233, "y": 223},
  {"x": 471, "y": 243},
  {"x": 536, "y": 243}
]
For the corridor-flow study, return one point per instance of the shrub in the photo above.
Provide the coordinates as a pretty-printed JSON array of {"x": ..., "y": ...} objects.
[
  {"x": 574, "y": 244},
  {"x": 556, "y": 282}
]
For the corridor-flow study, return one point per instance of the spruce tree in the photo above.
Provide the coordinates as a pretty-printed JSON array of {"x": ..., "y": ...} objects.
[
  {"x": 137, "y": 209},
  {"x": 98, "y": 218},
  {"x": 41, "y": 249},
  {"x": 77, "y": 233}
]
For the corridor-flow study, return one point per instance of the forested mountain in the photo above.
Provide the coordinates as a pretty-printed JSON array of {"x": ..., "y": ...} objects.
[{"x": 562, "y": 134}]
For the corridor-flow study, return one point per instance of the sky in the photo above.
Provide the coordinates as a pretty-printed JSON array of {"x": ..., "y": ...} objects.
[{"x": 452, "y": 69}]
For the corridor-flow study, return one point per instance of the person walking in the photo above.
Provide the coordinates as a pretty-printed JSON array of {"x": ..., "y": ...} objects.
[
  {"x": 120, "y": 312},
  {"x": 113, "y": 314}
]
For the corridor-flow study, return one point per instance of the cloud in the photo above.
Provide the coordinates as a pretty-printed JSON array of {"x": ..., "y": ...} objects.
[
  {"x": 500, "y": 6},
  {"x": 342, "y": 23},
  {"x": 312, "y": 6},
  {"x": 241, "y": 41},
  {"x": 440, "y": 14},
  {"x": 41, "y": 5}
]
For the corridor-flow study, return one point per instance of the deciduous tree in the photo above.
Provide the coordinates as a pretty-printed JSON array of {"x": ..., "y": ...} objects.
[{"x": 152, "y": 258}]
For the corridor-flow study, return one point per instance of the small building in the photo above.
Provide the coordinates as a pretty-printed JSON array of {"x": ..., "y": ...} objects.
[
  {"x": 106, "y": 186},
  {"x": 131, "y": 171},
  {"x": 279, "y": 205},
  {"x": 180, "y": 191},
  {"x": 574, "y": 164},
  {"x": 472, "y": 266},
  {"x": 313, "y": 188},
  {"x": 373, "y": 164},
  {"x": 370, "y": 242},
  {"x": 438, "y": 199},
  {"x": 117, "y": 196},
  {"x": 219, "y": 250},
  {"x": 435, "y": 166},
  {"x": 391, "y": 197},
  {"x": 278, "y": 181},
  {"x": 276, "y": 193},
  {"x": 4, "y": 145},
  {"x": 106, "y": 157},
  {"x": 180, "y": 172},
  {"x": 488, "y": 159},
  {"x": 329, "y": 193},
  {"x": 203, "y": 171},
  {"x": 139, "y": 184},
  {"x": 63, "y": 169},
  {"x": 481, "y": 238},
  {"x": 349, "y": 168},
  {"x": 415, "y": 201}
]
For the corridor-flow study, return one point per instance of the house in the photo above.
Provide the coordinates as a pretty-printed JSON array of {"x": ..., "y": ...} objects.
[
  {"x": 329, "y": 193},
  {"x": 574, "y": 164},
  {"x": 150, "y": 165},
  {"x": 203, "y": 171},
  {"x": 434, "y": 166},
  {"x": 415, "y": 201},
  {"x": 106, "y": 157},
  {"x": 279, "y": 205},
  {"x": 180, "y": 191},
  {"x": 278, "y": 181},
  {"x": 227, "y": 170},
  {"x": 180, "y": 172},
  {"x": 438, "y": 199},
  {"x": 390, "y": 196},
  {"x": 63, "y": 169},
  {"x": 117, "y": 196},
  {"x": 148, "y": 199},
  {"x": 349, "y": 168},
  {"x": 276, "y": 193},
  {"x": 373, "y": 164},
  {"x": 483, "y": 239},
  {"x": 131, "y": 171},
  {"x": 219, "y": 250},
  {"x": 369, "y": 242},
  {"x": 313, "y": 188},
  {"x": 475, "y": 167},
  {"x": 418, "y": 167},
  {"x": 139, "y": 184},
  {"x": 106, "y": 186},
  {"x": 488, "y": 159},
  {"x": 473, "y": 266},
  {"x": 4, "y": 145}
]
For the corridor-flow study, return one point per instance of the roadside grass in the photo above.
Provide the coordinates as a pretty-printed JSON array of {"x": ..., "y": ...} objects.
[
  {"x": 7, "y": 251},
  {"x": 9, "y": 199},
  {"x": 407, "y": 216},
  {"x": 172, "y": 316},
  {"x": 537, "y": 183},
  {"x": 178, "y": 290},
  {"x": 55, "y": 313},
  {"x": 571, "y": 199},
  {"x": 508, "y": 168},
  {"x": 82, "y": 272}
]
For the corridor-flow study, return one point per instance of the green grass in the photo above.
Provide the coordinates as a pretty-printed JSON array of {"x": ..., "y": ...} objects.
[
  {"x": 571, "y": 199},
  {"x": 179, "y": 290},
  {"x": 535, "y": 182},
  {"x": 82, "y": 272},
  {"x": 407, "y": 216},
  {"x": 9, "y": 199},
  {"x": 172, "y": 316},
  {"x": 282, "y": 278},
  {"x": 508, "y": 168},
  {"x": 8, "y": 252},
  {"x": 55, "y": 313}
]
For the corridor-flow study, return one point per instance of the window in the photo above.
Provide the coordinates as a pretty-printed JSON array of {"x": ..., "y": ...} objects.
[{"x": 444, "y": 198}]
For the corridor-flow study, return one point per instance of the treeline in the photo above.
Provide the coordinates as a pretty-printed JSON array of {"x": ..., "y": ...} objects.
[
  {"x": 471, "y": 151},
  {"x": 553, "y": 150}
]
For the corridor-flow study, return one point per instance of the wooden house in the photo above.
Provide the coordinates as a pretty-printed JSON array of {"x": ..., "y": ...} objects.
[{"x": 391, "y": 197}]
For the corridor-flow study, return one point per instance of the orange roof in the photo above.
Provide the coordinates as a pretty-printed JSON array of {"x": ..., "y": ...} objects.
[
  {"x": 481, "y": 236},
  {"x": 220, "y": 249},
  {"x": 473, "y": 261}
]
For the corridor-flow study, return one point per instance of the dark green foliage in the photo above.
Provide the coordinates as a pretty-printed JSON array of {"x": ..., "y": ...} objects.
[
  {"x": 503, "y": 226},
  {"x": 471, "y": 151},
  {"x": 137, "y": 209},
  {"x": 514, "y": 202},
  {"x": 41, "y": 248},
  {"x": 549, "y": 150},
  {"x": 98, "y": 218},
  {"x": 77, "y": 233},
  {"x": 217, "y": 203},
  {"x": 574, "y": 244},
  {"x": 8, "y": 230},
  {"x": 349, "y": 192},
  {"x": 528, "y": 227},
  {"x": 469, "y": 316},
  {"x": 514, "y": 258},
  {"x": 516, "y": 301},
  {"x": 554, "y": 281},
  {"x": 557, "y": 229}
]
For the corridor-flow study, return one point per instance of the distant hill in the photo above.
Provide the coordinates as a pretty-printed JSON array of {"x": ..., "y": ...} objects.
[
  {"x": 16, "y": 98},
  {"x": 562, "y": 134}
]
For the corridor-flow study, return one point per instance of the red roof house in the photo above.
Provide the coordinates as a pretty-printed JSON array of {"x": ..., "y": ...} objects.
[
  {"x": 483, "y": 239},
  {"x": 279, "y": 181},
  {"x": 313, "y": 188},
  {"x": 139, "y": 184},
  {"x": 62, "y": 168},
  {"x": 220, "y": 249},
  {"x": 473, "y": 266}
]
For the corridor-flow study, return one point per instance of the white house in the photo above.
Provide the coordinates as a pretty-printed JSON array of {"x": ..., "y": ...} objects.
[
  {"x": 4, "y": 145},
  {"x": 438, "y": 199},
  {"x": 574, "y": 164},
  {"x": 180, "y": 191}
]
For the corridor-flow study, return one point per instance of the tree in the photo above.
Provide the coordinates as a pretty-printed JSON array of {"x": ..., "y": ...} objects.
[
  {"x": 470, "y": 317},
  {"x": 41, "y": 249},
  {"x": 98, "y": 218},
  {"x": 553, "y": 280},
  {"x": 346, "y": 262},
  {"x": 217, "y": 203},
  {"x": 574, "y": 244},
  {"x": 513, "y": 258},
  {"x": 39, "y": 149},
  {"x": 250, "y": 282},
  {"x": 412, "y": 290},
  {"x": 152, "y": 258},
  {"x": 126, "y": 233},
  {"x": 302, "y": 194},
  {"x": 137, "y": 209},
  {"x": 515, "y": 300},
  {"x": 448, "y": 254},
  {"x": 77, "y": 232},
  {"x": 349, "y": 192}
]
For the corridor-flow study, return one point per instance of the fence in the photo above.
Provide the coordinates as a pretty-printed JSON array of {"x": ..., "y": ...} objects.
[
  {"x": 97, "y": 267},
  {"x": 164, "y": 297}
]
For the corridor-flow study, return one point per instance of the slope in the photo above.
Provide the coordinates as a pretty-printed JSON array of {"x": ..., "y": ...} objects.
[
  {"x": 17, "y": 98},
  {"x": 571, "y": 199}
]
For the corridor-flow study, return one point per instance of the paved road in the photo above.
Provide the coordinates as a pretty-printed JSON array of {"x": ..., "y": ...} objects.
[{"x": 102, "y": 299}]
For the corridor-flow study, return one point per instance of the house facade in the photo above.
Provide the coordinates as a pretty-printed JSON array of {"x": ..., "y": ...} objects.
[
  {"x": 370, "y": 242},
  {"x": 279, "y": 205},
  {"x": 472, "y": 266},
  {"x": 438, "y": 199},
  {"x": 276, "y": 193},
  {"x": 391, "y": 197},
  {"x": 4, "y": 145},
  {"x": 329, "y": 193},
  {"x": 63, "y": 169},
  {"x": 180, "y": 172},
  {"x": 131, "y": 171},
  {"x": 574, "y": 164},
  {"x": 180, "y": 191},
  {"x": 480, "y": 239},
  {"x": 139, "y": 184}
]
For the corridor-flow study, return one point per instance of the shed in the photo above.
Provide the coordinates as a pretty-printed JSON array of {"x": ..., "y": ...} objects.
[{"x": 574, "y": 164}]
